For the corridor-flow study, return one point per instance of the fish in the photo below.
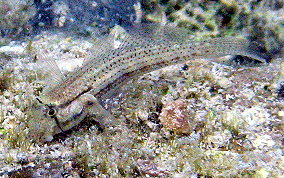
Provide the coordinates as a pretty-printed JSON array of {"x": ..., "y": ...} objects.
[{"x": 70, "y": 98}]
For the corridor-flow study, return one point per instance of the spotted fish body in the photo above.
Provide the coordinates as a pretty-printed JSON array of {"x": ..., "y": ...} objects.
[
  {"x": 100, "y": 75},
  {"x": 74, "y": 96}
]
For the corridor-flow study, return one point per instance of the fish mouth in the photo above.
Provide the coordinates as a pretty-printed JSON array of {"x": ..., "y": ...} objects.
[{"x": 51, "y": 119}]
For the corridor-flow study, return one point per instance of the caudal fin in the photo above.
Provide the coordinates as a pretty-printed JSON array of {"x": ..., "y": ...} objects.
[{"x": 256, "y": 51}]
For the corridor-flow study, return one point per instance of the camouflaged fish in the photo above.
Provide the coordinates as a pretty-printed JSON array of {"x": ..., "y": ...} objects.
[{"x": 77, "y": 95}]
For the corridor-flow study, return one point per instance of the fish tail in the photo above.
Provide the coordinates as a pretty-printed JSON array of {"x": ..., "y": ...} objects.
[
  {"x": 242, "y": 47},
  {"x": 256, "y": 51}
]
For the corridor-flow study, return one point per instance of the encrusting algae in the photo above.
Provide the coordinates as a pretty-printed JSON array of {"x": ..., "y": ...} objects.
[{"x": 67, "y": 100}]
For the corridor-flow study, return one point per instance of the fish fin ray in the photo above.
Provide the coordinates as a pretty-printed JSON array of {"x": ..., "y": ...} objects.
[{"x": 50, "y": 68}]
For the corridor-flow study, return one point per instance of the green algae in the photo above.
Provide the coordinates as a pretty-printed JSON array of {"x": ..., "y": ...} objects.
[{"x": 207, "y": 19}]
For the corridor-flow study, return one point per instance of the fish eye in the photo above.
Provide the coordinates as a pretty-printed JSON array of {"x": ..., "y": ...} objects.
[{"x": 51, "y": 112}]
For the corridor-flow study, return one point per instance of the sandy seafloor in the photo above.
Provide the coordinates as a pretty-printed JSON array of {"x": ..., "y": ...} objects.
[
  {"x": 231, "y": 119},
  {"x": 202, "y": 119}
]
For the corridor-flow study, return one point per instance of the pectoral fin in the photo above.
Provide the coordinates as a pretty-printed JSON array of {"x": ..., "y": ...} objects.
[{"x": 49, "y": 67}]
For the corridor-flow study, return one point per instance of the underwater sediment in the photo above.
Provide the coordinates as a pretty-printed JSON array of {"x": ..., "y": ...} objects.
[{"x": 198, "y": 119}]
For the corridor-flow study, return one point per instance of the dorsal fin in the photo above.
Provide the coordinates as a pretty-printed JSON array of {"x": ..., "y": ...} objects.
[
  {"x": 142, "y": 35},
  {"x": 50, "y": 68},
  {"x": 136, "y": 36},
  {"x": 139, "y": 34},
  {"x": 101, "y": 46}
]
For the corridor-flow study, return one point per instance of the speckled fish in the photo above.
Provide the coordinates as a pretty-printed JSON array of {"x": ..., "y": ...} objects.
[{"x": 77, "y": 95}]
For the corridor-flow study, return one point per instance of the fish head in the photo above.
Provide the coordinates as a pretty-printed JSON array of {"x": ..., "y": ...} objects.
[{"x": 46, "y": 120}]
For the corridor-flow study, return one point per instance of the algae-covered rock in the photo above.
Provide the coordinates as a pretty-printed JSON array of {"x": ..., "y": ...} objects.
[
  {"x": 176, "y": 117},
  {"x": 14, "y": 14},
  {"x": 260, "y": 21}
]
